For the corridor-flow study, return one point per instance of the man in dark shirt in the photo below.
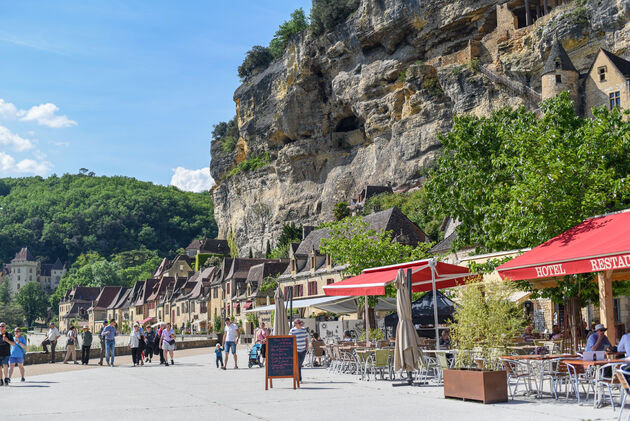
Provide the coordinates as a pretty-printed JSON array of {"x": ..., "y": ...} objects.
[{"x": 5, "y": 353}]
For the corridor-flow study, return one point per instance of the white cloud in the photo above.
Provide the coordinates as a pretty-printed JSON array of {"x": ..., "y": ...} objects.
[
  {"x": 44, "y": 115},
  {"x": 61, "y": 144},
  {"x": 8, "y": 164},
  {"x": 17, "y": 142},
  {"x": 7, "y": 109},
  {"x": 192, "y": 180}
]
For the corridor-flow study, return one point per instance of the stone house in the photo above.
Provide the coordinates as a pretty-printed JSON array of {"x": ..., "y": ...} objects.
[
  {"x": 97, "y": 313},
  {"x": 75, "y": 304},
  {"x": 605, "y": 83},
  {"x": 24, "y": 268},
  {"x": 235, "y": 284},
  {"x": 208, "y": 246},
  {"x": 115, "y": 309},
  {"x": 252, "y": 296},
  {"x": 181, "y": 266},
  {"x": 216, "y": 307}
]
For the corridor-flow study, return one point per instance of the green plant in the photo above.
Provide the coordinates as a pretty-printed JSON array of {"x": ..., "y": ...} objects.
[
  {"x": 327, "y": 14},
  {"x": 432, "y": 85},
  {"x": 375, "y": 335},
  {"x": 217, "y": 325},
  {"x": 250, "y": 164},
  {"x": 258, "y": 57},
  {"x": 253, "y": 319},
  {"x": 341, "y": 211},
  {"x": 270, "y": 283},
  {"x": 288, "y": 30},
  {"x": 402, "y": 77},
  {"x": 473, "y": 65},
  {"x": 229, "y": 144},
  {"x": 485, "y": 323}
]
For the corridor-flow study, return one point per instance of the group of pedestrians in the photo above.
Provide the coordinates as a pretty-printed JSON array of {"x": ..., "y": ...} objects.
[
  {"x": 12, "y": 353},
  {"x": 143, "y": 344}
]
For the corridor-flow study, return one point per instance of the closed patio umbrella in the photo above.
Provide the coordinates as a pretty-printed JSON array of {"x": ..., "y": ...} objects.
[
  {"x": 406, "y": 350},
  {"x": 280, "y": 321}
]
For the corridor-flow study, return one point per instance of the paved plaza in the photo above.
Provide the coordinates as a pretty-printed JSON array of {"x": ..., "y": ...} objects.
[{"x": 194, "y": 389}]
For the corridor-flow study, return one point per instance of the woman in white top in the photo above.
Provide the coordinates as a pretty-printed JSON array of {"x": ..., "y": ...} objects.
[
  {"x": 134, "y": 344},
  {"x": 71, "y": 345}
]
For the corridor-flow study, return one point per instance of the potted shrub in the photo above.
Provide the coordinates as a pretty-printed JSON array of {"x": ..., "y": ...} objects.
[
  {"x": 483, "y": 327},
  {"x": 218, "y": 329}
]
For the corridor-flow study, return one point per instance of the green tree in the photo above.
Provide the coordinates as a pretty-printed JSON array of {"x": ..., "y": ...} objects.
[
  {"x": 341, "y": 211},
  {"x": 33, "y": 300},
  {"x": 352, "y": 242},
  {"x": 5, "y": 294},
  {"x": 63, "y": 217},
  {"x": 327, "y": 14},
  {"x": 515, "y": 180},
  {"x": 288, "y": 30},
  {"x": 257, "y": 58},
  {"x": 268, "y": 250},
  {"x": 226, "y": 132},
  {"x": 251, "y": 254},
  {"x": 12, "y": 314}
]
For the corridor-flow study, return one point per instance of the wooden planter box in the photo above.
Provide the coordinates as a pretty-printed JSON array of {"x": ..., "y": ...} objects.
[{"x": 476, "y": 385}]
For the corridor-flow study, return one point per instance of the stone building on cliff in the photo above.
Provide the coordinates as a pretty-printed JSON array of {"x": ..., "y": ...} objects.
[
  {"x": 606, "y": 82},
  {"x": 24, "y": 268}
]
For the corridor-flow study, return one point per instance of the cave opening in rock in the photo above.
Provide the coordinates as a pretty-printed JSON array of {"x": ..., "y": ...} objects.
[
  {"x": 537, "y": 9},
  {"x": 349, "y": 124}
]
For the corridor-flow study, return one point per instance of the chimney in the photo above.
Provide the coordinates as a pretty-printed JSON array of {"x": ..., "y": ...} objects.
[{"x": 306, "y": 230}]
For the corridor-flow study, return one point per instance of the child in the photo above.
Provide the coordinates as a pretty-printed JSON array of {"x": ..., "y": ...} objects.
[{"x": 218, "y": 353}]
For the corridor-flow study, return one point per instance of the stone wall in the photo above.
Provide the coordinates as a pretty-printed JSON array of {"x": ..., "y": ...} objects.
[{"x": 40, "y": 357}]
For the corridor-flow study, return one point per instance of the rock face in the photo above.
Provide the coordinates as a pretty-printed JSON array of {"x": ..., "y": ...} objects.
[{"x": 364, "y": 104}]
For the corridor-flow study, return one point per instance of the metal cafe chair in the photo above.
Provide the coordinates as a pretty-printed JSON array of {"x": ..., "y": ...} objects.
[{"x": 625, "y": 389}]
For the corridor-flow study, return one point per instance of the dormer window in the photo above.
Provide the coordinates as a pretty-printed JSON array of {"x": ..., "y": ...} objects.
[
  {"x": 601, "y": 71},
  {"x": 558, "y": 79},
  {"x": 558, "y": 63}
]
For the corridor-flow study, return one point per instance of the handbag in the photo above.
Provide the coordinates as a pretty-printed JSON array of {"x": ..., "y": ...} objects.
[{"x": 172, "y": 342}]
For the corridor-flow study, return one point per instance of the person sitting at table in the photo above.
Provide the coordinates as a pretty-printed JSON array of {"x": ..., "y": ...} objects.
[
  {"x": 624, "y": 344},
  {"x": 445, "y": 341},
  {"x": 598, "y": 340},
  {"x": 527, "y": 336},
  {"x": 555, "y": 334},
  {"x": 319, "y": 349},
  {"x": 347, "y": 337}
]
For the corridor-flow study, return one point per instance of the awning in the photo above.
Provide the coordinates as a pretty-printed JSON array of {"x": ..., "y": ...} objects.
[
  {"x": 236, "y": 304},
  {"x": 247, "y": 305},
  {"x": 148, "y": 319},
  {"x": 597, "y": 244},
  {"x": 373, "y": 281},
  {"x": 349, "y": 305},
  {"x": 303, "y": 303}
]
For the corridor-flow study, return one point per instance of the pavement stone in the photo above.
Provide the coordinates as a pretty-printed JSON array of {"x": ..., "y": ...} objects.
[{"x": 195, "y": 389}]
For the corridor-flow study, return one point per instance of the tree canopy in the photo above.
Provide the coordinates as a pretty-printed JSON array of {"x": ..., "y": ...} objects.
[
  {"x": 288, "y": 30},
  {"x": 33, "y": 301},
  {"x": 515, "y": 179},
  {"x": 327, "y": 14},
  {"x": 63, "y": 217}
]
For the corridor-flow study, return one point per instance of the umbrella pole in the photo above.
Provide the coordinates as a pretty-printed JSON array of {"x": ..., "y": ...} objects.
[
  {"x": 435, "y": 309},
  {"x": 367, "y": 320},
  {"x": 290, "y": 308}
]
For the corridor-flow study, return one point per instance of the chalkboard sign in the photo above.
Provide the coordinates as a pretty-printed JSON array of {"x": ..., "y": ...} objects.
[{"x": 281, "y": 360}]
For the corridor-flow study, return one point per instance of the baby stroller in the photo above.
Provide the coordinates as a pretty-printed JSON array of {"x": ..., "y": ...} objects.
[{"x": 254, "y": 356}]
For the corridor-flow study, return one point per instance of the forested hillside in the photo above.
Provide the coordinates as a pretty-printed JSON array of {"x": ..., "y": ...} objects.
[{"x": 74, "y": 214}]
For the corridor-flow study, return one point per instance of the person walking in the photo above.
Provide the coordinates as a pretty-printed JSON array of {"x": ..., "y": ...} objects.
[
  {"x": 51, "y": 339},
  {"x": 301, "y": 339},
  {"x": 230, "y": 339},
  {"x": 158, "y": 343},
  {"x": 71, "y": 345},
  {"x": 18, "y": 352},
  {"x": 168, "y": 343},
  {"x": 134, "y": 344},
  {"x": 102, "y": 343},
  {"x": 261, "y": 338},
  {"x": 5, "y": 352},
  {"x": 150, "y": 341},
  {"x": 86, "y": 344},
  {"x": 109, "y": 333},
  {"x": 218, "y": 352}
]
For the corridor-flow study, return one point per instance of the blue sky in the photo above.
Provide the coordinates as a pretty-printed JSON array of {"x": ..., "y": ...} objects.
[{"x": 123, "y": 87}]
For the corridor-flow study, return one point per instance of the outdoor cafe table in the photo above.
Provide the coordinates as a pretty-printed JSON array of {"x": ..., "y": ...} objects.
[
  {"x": 589, "y": 365},
  {"x": 537, "y": 363}
]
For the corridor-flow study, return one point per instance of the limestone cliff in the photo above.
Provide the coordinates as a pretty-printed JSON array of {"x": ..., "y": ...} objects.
[{"x": 364, "y": 104}]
